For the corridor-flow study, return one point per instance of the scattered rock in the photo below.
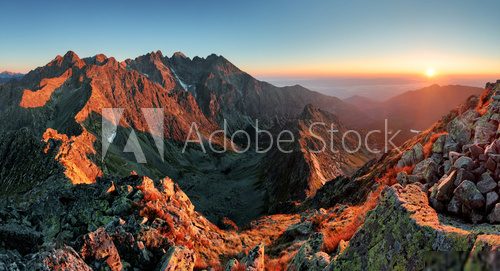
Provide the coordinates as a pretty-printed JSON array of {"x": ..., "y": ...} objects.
[
  {"x": 464, "y": 162},
  {"x": 438, "y": 146},
  {"x": 99, "y": 246},
  {"x": 486, "y": 184},
  {"x": 491, "y": 199},
  {"x": 63, "y": 259},
  {"x": 476, "y": 150},
  {"x": 494, "y": 216},
  {"x": 484, "y": 131},
  {"x": 177, "y": 258},
  {"x": 412, "y": 156},
  {"x": 427, "y": 169},
  {"x": 468, "y": 194},
  {"x": 454, "y": 206},
  {"x": 445, "y": 187},
  {"x": 463, "y": 175}
]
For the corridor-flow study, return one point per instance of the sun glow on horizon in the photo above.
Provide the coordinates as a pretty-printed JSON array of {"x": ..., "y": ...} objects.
[{"x": 430, "y": 72}]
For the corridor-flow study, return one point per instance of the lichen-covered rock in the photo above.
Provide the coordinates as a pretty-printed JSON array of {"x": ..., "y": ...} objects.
[
  {"x": 399, "y": 233},
  {"x": 468, "y": 194},
  {"x": 460, "y": 128},
  {"x": 485, "y": 255},
  {"x": 438, "y": 146},
  {"x": 309, "y": 256},
  {"x": 177, "y": 258},
  {"x": 427, "y": 170},
  {"x": 412, "y": 156}
]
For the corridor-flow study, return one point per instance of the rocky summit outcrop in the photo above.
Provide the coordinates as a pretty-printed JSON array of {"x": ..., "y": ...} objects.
[{"x": 404, "y": 233}]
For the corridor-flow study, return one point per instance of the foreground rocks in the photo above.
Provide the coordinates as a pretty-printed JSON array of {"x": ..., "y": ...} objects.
[
  {"x": 460, "y": 165},
  {"x": 416, "y": 236}
]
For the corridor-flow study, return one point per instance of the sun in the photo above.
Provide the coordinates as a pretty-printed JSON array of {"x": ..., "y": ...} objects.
[{"x": 430, "y": 72}]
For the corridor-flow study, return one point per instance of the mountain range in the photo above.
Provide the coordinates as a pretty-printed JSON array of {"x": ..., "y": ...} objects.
[{"x": 68, "y": 205}]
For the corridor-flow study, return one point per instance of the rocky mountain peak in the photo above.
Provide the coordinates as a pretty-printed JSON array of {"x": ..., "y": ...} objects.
[{"x": 180, "y": 55}]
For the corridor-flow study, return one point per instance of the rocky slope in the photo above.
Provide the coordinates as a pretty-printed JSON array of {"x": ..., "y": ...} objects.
[
  {"x": 63, "y": 102},
  {"x": 315, "y": 157}
]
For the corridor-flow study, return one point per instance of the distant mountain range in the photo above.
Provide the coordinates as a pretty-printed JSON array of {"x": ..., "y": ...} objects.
[{"x": 6, "y": 76}]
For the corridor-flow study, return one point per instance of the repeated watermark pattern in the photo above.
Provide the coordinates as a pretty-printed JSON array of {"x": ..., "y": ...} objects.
[{"x": 281, "y": 142}]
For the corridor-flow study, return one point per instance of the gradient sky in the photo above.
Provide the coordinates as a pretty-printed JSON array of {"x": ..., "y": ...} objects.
[{"x": 264, "y": 38}]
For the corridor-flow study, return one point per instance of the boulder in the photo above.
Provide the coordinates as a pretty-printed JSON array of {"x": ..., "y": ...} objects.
[
  {"x": 494, "y": 216},
  {"x": 450, "y": 146},
  {"x": 460, "y": 128},
  {"x": 491, "y": 200},
  {"x": 486, "y": 184},
  {"x": 177, "y": 258},
  {"x": 454, "y": 206},
  {"x": 412, "y": 156},
  {"x": 463, "y": 175},
  {"x": 309, "y": 256},
  {"x": 476, "y": 150},
  {"x": 98, "y": 246},
  {"x": 427, "y": 169},
  {"x": 464, "y": 162},
  {"x": 404, "y": 243},
  {"x": 453, "y": 156},
  {"x": 438, "y": 146},
  {"x": 445, "y": 187},
  {"x": 490, "y": 164},
  {"x": 485, "y": 255},
  {"x": 468, "y": 194},
  {"x": 484, "y": 131}
]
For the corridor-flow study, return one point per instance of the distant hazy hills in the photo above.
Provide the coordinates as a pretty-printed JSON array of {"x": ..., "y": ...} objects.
[
  {"x": 416, "y": 109},
  {"x": 6, "y": 76}
]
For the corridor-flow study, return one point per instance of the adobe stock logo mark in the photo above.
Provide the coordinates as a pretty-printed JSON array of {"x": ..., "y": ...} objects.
[
  {"x": 110, "y": 121},
  {"x": 154, "y": 117}
]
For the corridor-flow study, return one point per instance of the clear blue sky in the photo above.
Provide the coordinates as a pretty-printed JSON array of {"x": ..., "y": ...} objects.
[{"x": 262, "y": 37}]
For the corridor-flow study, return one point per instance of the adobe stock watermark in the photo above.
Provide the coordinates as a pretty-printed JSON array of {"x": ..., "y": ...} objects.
[{"x": 264, "y": 141}]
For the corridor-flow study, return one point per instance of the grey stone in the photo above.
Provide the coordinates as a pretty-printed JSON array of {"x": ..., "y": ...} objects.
[
  {"x": 484, "y": 131},
  {"x": 454, "y": 206},
  {"x": 445, "y": 187},
  {"x": 438, "y": 146},
  {"x": 463, "y": 175},
  {"x": 491, "y": 199},
  {"x": 427, "y": 169},
  {"x": 494, "y": 216},
  {"x": 486, "y": 184},
  {"x": 464, "y": 162},
  {"x": 468, "y": 194}
]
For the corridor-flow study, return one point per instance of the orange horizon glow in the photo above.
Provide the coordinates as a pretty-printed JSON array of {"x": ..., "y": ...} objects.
[{"x": 417, "y": 64}]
